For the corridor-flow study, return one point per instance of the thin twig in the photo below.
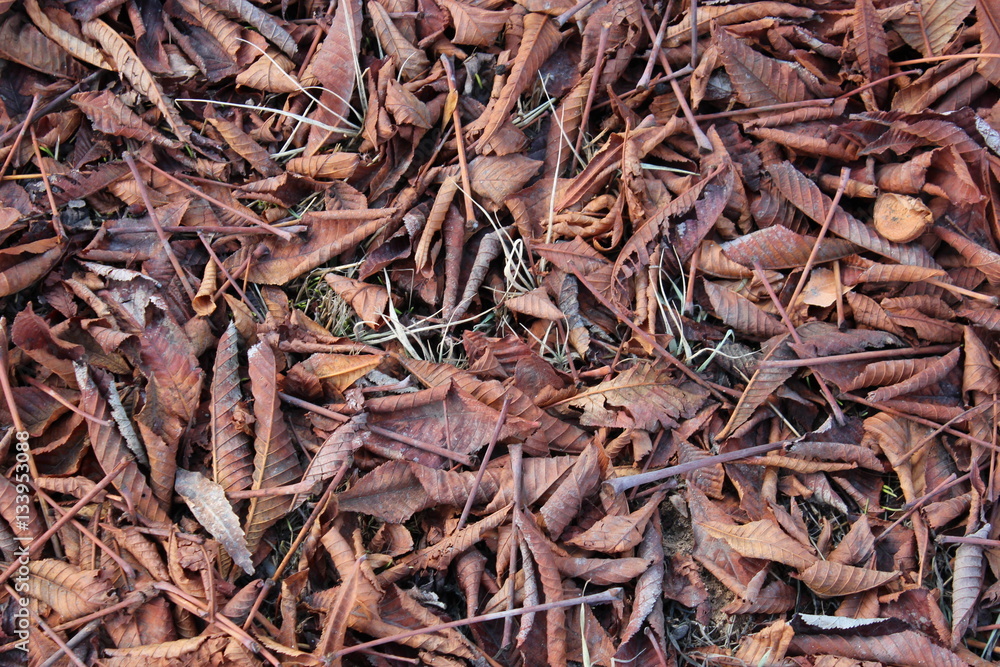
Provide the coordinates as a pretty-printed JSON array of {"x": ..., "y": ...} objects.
[
  {"x": 845, "y": 175},
  {"x": 608, "y": 596},
  {"x": 838, "y": 414},
  {"x": 42, "y": 539},
  {"x": 56, "y": 222},
  {"x": 155, "y": 219},
  {"x": 230, "y": 280},
  {"x": 858, "y": 356},
  {"x": 20, "y": 135},
  {"x": 602, "y": 46},
  {"x": 621, "y": 484},
  {"x": 312, "y": 407},
  {"x": 654, "y": 50},
  {"x": 419, "y": 444},
  {"x": 482, "y": 466},
  {"x": 78, "y": 638},
  {"x": 277, "y": 231}
]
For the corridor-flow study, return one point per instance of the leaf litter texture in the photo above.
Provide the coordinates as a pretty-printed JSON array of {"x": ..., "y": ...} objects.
[{"x": 363, "y": 255}]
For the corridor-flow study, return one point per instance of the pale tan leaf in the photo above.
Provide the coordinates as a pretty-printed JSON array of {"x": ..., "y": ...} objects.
[
  {"x": 763, "y": 540},
  {"x": 72, "y": 592},
  {"x": 208, "y": 503},
  {"x": 474, "y": 24},
  {"x": 329, "y": 165},
  {"x": 108, "y": 114},
  {"x": 767, "y": 647},
  {"x": 410, "y": 60},
  {"x": 270, "y": 73},
  {"x": 831, "y": 579},
  {"x": 535, "y": 303},
  {"x": 966, "y": 585},
  {"x": 132, "y": 69},
  {"x": 939, "y": 21},
  {"x": 74, "y": 45}
]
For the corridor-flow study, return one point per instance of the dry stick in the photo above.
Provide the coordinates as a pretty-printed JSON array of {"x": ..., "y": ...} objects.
[
  {"x": 919, "y": 420},
  {"x": 694, "y": 33},
  {"x": 281, "y": 233},
  {"x": 195, "y": 606},
  {"x": 610, "y": 595},
  {"x": 38, "y": 543},
  {"x": 858, "y": 356},
  {"x": 78, "y": 638},
  {"x": 62, "y": 401},
  {"x": 961, "y": 291},
  {"x": 787, "y": 106},
  {"x": 419, "y": 444},
  {"x": 954, "y": 56},
  {"x": 126, "y": 568},
  {"x": 620, "y": 484},
  {"x": 957, "y": 539},
  {"x": 312, "y": 407},
  {"x": 716, "y": 390},
  {"x": 516, "y": 473},
  {"x": 699, "y": 136},
  {"x": 205, "y": 229},
  {"x": 20, "y": 136},
  {"x": 602, "y": 46},
  {"x": 952, "y": 481},
  {"x": 839, "y": 286},
  {"x": 8, "y": 394},
  {"x": 318, "y": 509},
  {"x": 48, "y": 108},
  {"x": 568, "y": 14},
  {"x": 845, "y": 175},
  {"x": 482, "y": 467},
  {"x": 451, "y": 289},
  {"x": 134, "y": 599},
  {"x": 155, "y": 219},
  {"x": 933, "y": 434},
  {"x": 230, "y": 280},
  {"x": 838, "y": 414},
  {"x": 56, "y": 222},
  {"x": 923, "y": 30},
  {"x": 51, "y": 633},
  {"x": 655, "y": 49}
]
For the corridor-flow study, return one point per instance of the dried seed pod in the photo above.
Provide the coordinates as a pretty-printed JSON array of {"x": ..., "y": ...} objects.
[{"x": 901, "y": 218}]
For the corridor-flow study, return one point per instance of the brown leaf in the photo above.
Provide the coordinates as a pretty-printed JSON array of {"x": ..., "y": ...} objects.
[
  {"x": 275, "y": 462},
  {"x": 330, "y": 233},
  {"x": 758, "y": 80},
  {"x": 615, "y": 534},
  {"x": 870, "y": 46},
  {"x": 906, "y": 648},
  {"x": 582, "y": 480},
  {"x": 21, "y": 42},
  {"x": 474, "y": 25},
  {"x": 109, "y": 114},
  {"x": 270, "y": 73},
  {"x": 410, "y": 60},
  {"x": 132, "y": 69},
  {"x": 768, "y": 646},
  {"x": 741, "y": 314},
  {"x": 266, "y": 24},
  {"x": 832, "y": 579},
  {"x": 930, "y": 32},
  {"x": 72, "y": 592},
  {"x": 763, "y": 540},
  {"x": 548, "y": 573},
  {"x": 232, "y": 458},
  {"x": 643, "y": 397},
  {"x": 966, "y": 585},
  {"x": 539, "y": 41}
]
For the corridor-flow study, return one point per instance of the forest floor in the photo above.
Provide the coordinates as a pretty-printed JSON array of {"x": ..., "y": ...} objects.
[{"x": 484, "y": 332}]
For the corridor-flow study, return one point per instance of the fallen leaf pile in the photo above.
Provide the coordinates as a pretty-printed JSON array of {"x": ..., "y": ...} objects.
[{"x": 482, "y": 332}]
